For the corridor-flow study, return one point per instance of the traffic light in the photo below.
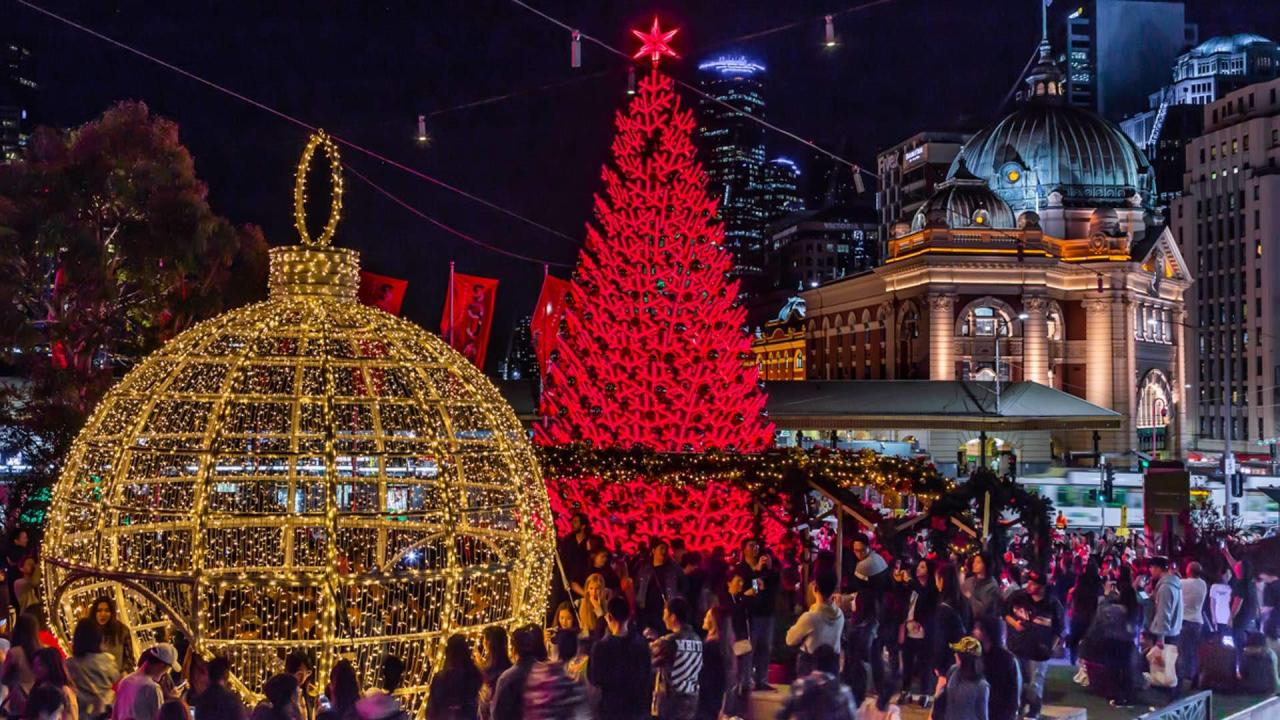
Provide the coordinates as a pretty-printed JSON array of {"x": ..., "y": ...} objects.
[
  {"x": 1108, "y": 484},
  {"x": 1237, "y": 485}
]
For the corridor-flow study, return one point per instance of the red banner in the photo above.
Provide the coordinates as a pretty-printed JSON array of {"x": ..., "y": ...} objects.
[
  {"x": 382, "y": 292},
  {"x": 471, "y": 308},
  {"x": 546, "y": 318}
]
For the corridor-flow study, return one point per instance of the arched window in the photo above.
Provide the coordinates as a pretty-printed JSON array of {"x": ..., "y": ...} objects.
[{"x": 986, "y": 321}]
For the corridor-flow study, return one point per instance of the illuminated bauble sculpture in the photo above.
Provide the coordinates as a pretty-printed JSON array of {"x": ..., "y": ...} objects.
[{"x": 306, "y": 473}]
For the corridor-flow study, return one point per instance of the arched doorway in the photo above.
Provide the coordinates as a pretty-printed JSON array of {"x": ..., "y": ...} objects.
[{"x": 1154, "y": 412}]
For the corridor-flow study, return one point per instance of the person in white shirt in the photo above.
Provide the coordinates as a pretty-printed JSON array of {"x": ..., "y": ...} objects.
[
  {"x": 138, "y": 695},
  {"x": 1194, "y": 594},
  {"x": 1220, "y": 604}
]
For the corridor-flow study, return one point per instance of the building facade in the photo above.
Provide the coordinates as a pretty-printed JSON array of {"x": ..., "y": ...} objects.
[
  {"x": 1064, "y": 282},
  {"x": 1117, "y": 52},
  {"x": 520, "y": 361},
  {"x": 1227, "y": 222},
  {"x": 909, "y": 172},
  {"x": 779, "y": 346},
  {"x": 1201, "y": 75},
  {"x": 780, "y": 190},
  {"x": 810, "y": 248},
  {"x": 17, "y": 95},
  {"x": 733, "y": 153}
]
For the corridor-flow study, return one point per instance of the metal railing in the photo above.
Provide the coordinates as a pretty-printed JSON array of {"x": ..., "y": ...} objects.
[{"x": 1198, "y": 706}]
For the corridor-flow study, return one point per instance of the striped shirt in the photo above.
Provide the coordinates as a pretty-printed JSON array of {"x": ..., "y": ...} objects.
[{"x": 678, "y": 659}]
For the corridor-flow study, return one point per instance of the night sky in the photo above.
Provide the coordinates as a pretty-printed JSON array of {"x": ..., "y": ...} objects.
[{"x": 366, "y": 70}]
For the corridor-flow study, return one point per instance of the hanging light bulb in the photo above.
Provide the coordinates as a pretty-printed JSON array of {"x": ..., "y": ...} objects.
[
  {"x": 631, "y": 80},
  {"x": 575, "y": 50},
  {"x": 422, "y": 136},
  {"x": 830, "y": 34}
]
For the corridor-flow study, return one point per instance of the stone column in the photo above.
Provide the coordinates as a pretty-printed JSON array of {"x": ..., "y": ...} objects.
[
  {"x": 1035, "y": 339},
  {"x": 1179, "y": 433},
  {"x": 1098, "y": 351},
  {"x": 942, "y": 330}
]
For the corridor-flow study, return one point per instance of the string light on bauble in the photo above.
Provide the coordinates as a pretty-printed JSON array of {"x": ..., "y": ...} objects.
[{"x": 305, "y": 473}]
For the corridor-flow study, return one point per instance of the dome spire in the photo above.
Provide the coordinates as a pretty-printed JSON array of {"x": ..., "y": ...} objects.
[{"x": 1044, "y": 81}]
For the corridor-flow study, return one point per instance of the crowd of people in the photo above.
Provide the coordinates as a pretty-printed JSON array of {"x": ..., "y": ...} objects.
[
  {"x": 853, "y": 632},
  {"x": 670, "y": 633}
]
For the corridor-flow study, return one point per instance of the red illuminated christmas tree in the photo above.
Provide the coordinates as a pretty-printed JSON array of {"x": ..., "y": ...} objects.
[{"x": 652, "y": 350}]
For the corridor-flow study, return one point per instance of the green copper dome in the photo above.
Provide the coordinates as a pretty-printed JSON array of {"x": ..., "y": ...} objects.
[
  {"x": 1047, "y": 146},
  {"x": 963, "y": 201}
]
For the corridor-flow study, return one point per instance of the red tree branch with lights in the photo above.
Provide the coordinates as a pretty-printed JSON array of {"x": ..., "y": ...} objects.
[{"x": 652, "y": 350}]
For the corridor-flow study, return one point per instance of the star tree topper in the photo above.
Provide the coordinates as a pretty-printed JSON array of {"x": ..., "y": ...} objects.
[{"x": 656, "y": 43}]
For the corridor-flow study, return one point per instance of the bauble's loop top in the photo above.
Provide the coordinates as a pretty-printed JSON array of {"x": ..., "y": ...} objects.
[{"x": 321, "y": 140}]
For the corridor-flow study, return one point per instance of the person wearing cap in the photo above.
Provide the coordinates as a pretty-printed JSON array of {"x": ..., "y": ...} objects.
[
  {"x": 1035, "y": 623},
  {"x": 138, "y": 695},
  {"x": 1166, "y": 619},
  {"x": 963, "y": 694}
]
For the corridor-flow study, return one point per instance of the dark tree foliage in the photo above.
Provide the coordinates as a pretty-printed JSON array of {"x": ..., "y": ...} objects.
[{"x": 108, "y": 248}]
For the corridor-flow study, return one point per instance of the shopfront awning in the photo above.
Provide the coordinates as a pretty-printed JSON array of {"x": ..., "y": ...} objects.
[{"x": 905, "y": 405}]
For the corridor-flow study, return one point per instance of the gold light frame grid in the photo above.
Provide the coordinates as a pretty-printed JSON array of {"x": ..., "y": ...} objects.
[{"x": 306, "y": 473}]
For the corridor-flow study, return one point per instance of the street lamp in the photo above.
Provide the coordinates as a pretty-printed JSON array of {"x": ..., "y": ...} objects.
[{"x": 1001, "y": 326}]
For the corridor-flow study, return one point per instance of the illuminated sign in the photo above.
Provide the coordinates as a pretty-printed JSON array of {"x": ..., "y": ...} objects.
[
  {"x": 739, "y": 65},
  {"x": 913, "y": 156}
]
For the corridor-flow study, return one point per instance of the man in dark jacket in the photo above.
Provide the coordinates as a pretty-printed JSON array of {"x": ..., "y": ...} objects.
[
  {"x": 619, "y": 667},
  {"x": 1001, "y": 669},
  {"x": 217, "y": 702},
  {"x": 508, "y": 692},
  {"x": 657, "y": 581},
  {"x": 1035, "y": 628}
]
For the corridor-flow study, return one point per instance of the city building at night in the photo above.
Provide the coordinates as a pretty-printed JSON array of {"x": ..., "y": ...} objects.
[
  {"x": 1201, "y": 75},
  {"x": 1227, "y": 221},
  {"x": 910, "y": 171},
  {"x": 809, "y": 248},
  {"x": 1036, "y": 260},
  {"x": 520, "y": 361},
  {"x": 1117, "y": 52},
  {"x": 732, "y": 148},
  {"x": 17, "y": 95},
  {"x": 779, "y": 345},
  {"x": 780, "y": 190}
]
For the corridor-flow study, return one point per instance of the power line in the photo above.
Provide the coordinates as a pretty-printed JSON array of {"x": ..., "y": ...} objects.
[
  {"x": 799, "y": 23},
  {"x": 447, "y": 228},
  {"x": 696, "y": 90},
  {"x": 518, "y": 93},
  {"x": 296, "y": 121}
]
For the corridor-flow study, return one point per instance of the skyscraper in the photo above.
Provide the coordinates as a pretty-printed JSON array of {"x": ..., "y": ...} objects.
[
  {"x": 17, "y": 93},
  {"x": 1120, "y": 51},
  {"x": 1201, "y": 75},
  {"x": 780, "y": 190},
  {"x": 1227, "y": 220},
  {"x": 520, "y": 362},
  {"x": 734, "y": 154}
]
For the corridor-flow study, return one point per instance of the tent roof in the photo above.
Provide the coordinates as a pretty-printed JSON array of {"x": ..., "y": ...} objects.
[{"x": 906, "y": 405}]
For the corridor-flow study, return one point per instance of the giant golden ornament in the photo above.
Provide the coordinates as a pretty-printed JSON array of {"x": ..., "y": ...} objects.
[{"x": 306, "y": 473}]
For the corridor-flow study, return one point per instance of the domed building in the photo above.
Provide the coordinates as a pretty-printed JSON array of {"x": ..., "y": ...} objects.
[
  {"x": 1039, "y": 259},
  {"x": 1059, "y": 160}
]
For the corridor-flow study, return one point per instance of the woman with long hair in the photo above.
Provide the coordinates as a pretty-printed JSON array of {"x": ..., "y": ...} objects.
[
  {"x": 1129, "y": 596},
  {"x": 117, "y": 638},
  {"x": 494, "y": 659},
  {"x": 455, "y": 689},
  {"x": 48, "y": 669},
  {"x": 93, "y": 672},
  {"x": 916, "y": 633},
  {"x": 16, "y": 674},
  {"x": 591, "y": 608},
  {"x": 342, "y": 692},
  {"x": 715, "y": 694},
  {"x": 881, "y": 707},
  {"x": 980, "y": 588},
  {"x": 1083, "y": 601},
  {"x": 950, "y": 617}
]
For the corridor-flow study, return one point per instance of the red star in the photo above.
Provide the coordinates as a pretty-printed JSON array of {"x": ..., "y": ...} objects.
[{"x": 656, "y": 42}]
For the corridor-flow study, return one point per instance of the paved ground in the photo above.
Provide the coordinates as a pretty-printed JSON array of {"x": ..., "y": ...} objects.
[{"x": 1067, "y": 701}]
